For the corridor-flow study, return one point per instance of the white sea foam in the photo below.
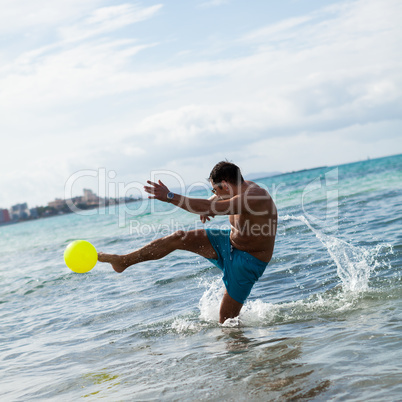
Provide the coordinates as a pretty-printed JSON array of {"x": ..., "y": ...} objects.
[
  {"x": 259, "y": 313},
  {"x": 253, "y": 313},
  {"x": 184, "y": 326}
]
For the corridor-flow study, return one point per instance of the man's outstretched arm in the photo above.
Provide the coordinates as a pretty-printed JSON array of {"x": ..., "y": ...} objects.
[
  {"x": 197, "y": 206},
  {"x": 210, "y": 207}
]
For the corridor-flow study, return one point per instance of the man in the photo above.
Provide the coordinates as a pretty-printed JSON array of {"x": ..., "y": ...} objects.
[{"x": 242, "y": 252}]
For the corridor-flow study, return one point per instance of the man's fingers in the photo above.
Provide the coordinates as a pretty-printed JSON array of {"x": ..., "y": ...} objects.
[
  {"x": 158, "y": 190},
  {"x": 204, "y": 218},
  {"x": 149, "y": 189}
]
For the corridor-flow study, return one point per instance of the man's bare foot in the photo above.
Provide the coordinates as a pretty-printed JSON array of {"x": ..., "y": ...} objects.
[{"x": 117, "y": 261}]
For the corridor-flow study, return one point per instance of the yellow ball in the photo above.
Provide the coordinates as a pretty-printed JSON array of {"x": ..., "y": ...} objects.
[{"x": 80, "y": 256}]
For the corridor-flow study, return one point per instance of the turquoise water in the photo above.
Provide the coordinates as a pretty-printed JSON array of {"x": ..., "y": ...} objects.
[{"x": 323, "y": 323}]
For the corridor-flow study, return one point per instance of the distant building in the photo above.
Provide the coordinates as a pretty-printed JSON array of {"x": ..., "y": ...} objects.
[
  {"x": 4, "y": 216},
  {"x": 56, "y": 204},
  {"x": 19, "y": 211},
  {"x": 75, "y": 200},
  {"x": 90, "y": 197},
  {"x": 34, "y": 213}
]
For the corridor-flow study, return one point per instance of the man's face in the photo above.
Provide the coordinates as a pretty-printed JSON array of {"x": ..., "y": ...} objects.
[
  {"x": 215, "y": 188},
  {"x": 221, "y": 190}
]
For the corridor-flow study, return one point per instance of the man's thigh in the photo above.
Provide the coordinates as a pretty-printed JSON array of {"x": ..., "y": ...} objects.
[{"x": 197, "y": 242}]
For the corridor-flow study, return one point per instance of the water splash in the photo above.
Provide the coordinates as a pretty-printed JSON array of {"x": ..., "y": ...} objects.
[
  {"x": 211, "y": 299},
  {"x": 354, "y": 264},
  {"x": 253, "y": 313}
]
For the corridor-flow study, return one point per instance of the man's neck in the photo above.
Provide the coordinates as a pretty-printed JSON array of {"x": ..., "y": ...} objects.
[{"x": 239, "y": 189}]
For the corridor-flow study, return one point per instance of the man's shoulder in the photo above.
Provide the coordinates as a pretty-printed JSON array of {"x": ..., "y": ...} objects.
[
  {"x": 257, "y": 199},
  {"x": 254, "y": 189}
]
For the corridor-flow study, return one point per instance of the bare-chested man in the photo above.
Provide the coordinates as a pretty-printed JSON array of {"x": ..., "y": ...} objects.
[{"x": 242, "y": 252}]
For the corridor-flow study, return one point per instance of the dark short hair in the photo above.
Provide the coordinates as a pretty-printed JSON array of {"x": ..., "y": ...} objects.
[{"x": 226, "y": 171}]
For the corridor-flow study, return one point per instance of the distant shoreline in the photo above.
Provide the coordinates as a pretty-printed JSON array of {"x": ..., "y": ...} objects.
[{"x": 65, "y": 212}]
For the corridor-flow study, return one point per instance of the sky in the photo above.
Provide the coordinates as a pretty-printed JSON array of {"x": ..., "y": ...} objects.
[{"x": 108, "y": 94}]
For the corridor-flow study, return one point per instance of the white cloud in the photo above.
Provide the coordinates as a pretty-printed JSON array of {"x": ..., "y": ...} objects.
[
  {"x": 18, "y": 15},
  {"x": 60, "y": 72},
  {"x": 106, "y": 20},
  {"x": 28, "y": 17},
  {"x": 345, "y": 145},
  {"x": 279, "y": 30},
  {"x": 79, "y": 72},
  {"x": 100, "y": 69},
  {"x": 350, "y": 76},
  {"x": 194, "y": 125}
]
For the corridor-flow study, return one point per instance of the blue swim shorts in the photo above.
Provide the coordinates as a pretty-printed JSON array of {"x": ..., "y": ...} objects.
[{"x": 240, "y": 269}]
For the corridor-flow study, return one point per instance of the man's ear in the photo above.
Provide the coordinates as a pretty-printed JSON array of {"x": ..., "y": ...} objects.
[{"x": 225, "y": 185}]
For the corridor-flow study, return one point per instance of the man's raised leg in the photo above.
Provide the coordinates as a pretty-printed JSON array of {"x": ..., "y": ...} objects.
[{"x": 195, "y": 241}]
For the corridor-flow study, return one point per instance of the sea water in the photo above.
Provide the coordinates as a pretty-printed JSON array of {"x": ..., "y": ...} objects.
[{"x": 324, "y": 322}]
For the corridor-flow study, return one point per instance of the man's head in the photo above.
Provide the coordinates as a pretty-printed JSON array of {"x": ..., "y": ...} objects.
[{"x": 226, "y": 172}]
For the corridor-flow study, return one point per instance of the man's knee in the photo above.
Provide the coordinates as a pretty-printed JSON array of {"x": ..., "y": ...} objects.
[{"x": 179, "y": 237}]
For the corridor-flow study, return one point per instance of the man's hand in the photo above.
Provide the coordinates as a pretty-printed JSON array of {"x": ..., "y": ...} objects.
[
  {"x": 158, "y": 190},
  {"x": 205, "y": 218}
]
